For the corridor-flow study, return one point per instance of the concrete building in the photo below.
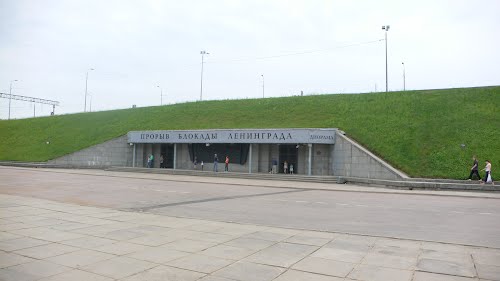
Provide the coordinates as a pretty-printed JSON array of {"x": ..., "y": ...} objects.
[{"x": 319, "y": 152}]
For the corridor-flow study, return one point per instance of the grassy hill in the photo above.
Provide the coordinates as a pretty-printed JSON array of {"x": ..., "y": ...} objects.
[{"x": 419, "y": 132}]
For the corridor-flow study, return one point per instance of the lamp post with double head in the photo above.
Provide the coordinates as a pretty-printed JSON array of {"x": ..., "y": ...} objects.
[
  {"x": 386, "y": 28},
  {"x": 202, "y": 53},
  {"x": 10, "y": 94}
]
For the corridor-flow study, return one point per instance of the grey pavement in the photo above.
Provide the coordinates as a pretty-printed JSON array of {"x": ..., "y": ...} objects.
[
  {"x": 48, "y": 240},
  {"x": 466, "y": 218},
  {"x": 260, "y": 183}
]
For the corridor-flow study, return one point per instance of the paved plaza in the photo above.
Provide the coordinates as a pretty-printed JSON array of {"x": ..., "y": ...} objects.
[
  {"x": 53, "y": 241},
  {"x": 99, "y": 225}
]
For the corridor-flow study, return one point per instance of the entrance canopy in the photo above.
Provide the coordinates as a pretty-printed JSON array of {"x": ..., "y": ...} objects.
[{"x": 275, "y": 136}]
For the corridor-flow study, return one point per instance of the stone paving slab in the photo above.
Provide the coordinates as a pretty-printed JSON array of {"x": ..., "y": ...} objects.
[
  {"x": 282, "y": 254},
  {"x": 294, "y": 275},
  {"x": 67, "y": 242},
  {"x": 200, "y": 263},
  {"x": 325, "y": 267},
  {"x": 76, "y": 275}
]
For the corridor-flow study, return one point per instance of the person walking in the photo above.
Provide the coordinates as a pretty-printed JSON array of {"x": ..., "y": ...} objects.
[
  {"x": 195, "y": 162},
  {"x": 475, "y": 169},
  {"x": 202, "y": 164},
  {"x": 487, "y": 177},
  {"x": 216, "y": 161},
  {"x": 291, "y": 169},
  {"x": 226, "y": 167},
  {"x": 161, "y": 161},
  {"x": 285, "y": 167}
]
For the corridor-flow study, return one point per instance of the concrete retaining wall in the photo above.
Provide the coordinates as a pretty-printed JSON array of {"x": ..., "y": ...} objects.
[
  {"x": 115, "y": 152},
  {"x": 350, "y": 159}
]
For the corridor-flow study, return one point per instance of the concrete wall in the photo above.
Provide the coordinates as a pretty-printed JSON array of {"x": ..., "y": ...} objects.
[
  {"x": 321, "y": 160},
  {"x": 352, "y": 160},
  {"x": 115, "y": 152}
]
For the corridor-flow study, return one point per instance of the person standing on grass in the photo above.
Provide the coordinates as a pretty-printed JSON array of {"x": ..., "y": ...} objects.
[
  {"x": 226, "y": 167},
  {"x": 216, "y": 161},
  {"x": 475, "y": 169},
  {"x": 488, "y": 177}
]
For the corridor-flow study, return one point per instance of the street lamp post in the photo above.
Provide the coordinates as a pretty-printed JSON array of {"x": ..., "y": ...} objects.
[
  {"x": 161, "y": 95},
  {"x": 86, "y": 82},
  {"x": 386, "y": 28},
  {"x": 404, "y": 77},
  {"x": 10, "y": 94},
  {"x": 262, "y": 85},
  {"x": 90, "y": 101},
  {"x": 202, "y": 53}
]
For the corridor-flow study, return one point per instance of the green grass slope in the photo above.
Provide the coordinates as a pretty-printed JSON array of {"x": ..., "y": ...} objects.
[{"x": 419, "y": 132}]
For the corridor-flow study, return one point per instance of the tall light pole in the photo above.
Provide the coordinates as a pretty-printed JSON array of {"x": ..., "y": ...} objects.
[
  {"x": 90, "y": 102},
  {"x": 262, "y": 85},
  {"x": 386, "y": 28},
  {"x": 10, "y": 94},
  {"x": 161, "y": 95},
  {"x": 86, "y": 82},
  {"x": 202, "y": 53},
  {"x": 404, "y": 77}
]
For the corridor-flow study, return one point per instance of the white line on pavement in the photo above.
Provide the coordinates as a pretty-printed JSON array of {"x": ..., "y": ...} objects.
[
  {"x": 485, "y": 213},
  {"x": 301, "y": 201},
  {"x": 324, "y": 203}
]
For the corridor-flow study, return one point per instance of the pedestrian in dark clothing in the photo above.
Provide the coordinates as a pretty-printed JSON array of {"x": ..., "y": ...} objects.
[
  {"x": 161, "y": 162},
  {"x": 475, "y": 169},
  {"x": 216, "y": 161}
]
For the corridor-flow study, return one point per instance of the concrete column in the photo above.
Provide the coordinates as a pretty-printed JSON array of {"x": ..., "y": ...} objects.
[
  {"x": 250, "y": 160},
  {"x": 309, "y": 160},
  {"x": 175, "y": 155},
  {"x": 133, "y": 157}
]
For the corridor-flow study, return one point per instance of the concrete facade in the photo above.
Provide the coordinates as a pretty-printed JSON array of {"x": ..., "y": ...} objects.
[{"x": 344, "y": 158}]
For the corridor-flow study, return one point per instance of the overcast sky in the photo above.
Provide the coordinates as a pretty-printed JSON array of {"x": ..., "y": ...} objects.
[{"x": 312, "y": 46}]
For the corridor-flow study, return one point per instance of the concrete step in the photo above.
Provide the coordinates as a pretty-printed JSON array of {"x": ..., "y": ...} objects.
[{"x": 264, "y": 176}]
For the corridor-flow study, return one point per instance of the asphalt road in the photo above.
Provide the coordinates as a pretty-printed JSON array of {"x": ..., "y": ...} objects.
[{"x": 459, "y": 220}]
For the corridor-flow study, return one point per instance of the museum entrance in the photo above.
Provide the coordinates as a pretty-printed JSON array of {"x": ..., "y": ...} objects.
[{"x": 288, "y": 153}]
